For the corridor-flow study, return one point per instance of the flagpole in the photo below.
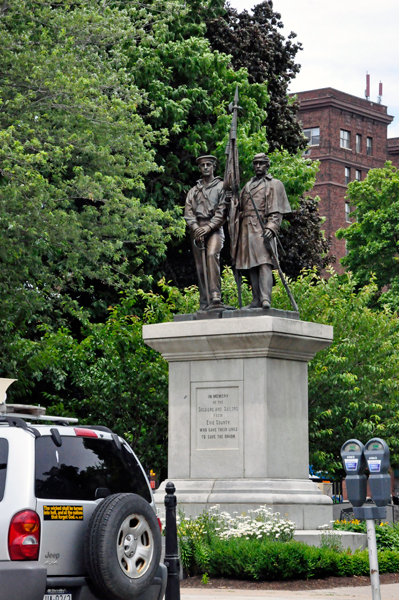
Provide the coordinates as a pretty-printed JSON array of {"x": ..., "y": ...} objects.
[{"x": 232, "y": 183}]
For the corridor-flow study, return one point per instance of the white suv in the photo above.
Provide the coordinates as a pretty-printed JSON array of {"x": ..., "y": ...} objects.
[{"x": 77, "y": 516}]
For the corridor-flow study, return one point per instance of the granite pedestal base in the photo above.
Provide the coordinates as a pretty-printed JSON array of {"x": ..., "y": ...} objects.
[{"x": 238, "y": 414}]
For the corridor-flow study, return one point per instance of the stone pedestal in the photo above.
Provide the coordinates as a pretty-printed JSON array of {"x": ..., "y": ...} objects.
[{"x": 238, "y": 414}]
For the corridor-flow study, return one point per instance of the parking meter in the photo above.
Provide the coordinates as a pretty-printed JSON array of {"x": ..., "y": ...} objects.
[
  {"x": 377, "y": 457},
  {"x": 352, "y": 454}
]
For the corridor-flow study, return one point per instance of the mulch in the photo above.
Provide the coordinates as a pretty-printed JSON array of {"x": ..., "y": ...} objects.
[{"x": 295, "y": 585}]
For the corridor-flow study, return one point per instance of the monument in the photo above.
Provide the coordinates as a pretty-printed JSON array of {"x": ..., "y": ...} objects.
[{"x": 238, "y": 384}]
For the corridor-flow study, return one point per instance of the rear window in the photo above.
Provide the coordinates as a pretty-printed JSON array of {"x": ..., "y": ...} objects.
[
  {"x": 3, "y": 465},
  {"x": 75, "y": 470}
]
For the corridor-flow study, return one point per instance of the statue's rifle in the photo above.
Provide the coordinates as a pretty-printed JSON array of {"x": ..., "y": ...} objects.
[
  {"x": 274, "y": 255},
  {"x": 232, "y": 182}
]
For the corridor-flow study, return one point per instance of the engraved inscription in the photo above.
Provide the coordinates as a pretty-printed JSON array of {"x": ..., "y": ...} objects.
[{"x": 217, "y": 418}]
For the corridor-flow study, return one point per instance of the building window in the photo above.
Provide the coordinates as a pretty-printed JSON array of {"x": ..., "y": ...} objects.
[
  {"x": 347, "y": 212},
  {"x": 313, "y": 135},
  {"x": 345, "y": 139},
  {"x": 358, "y": 175},
  {"x": 347, "y": 175},
  {"x": 369, "y": 146},
  {"x": 358, "y": 143}
]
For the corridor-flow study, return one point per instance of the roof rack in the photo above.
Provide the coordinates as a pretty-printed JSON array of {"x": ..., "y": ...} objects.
[
  {"x": 14, "y": 421},
  {"x": 63, "y": 420}
]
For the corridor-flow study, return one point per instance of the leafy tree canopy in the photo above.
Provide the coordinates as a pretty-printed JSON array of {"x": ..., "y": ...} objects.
[
  {"x": 73, "y": 154},
  {"x": 353, "y": 384},
  {"x": 255, "y": 42},
  {"x": 373, "y": 239}
]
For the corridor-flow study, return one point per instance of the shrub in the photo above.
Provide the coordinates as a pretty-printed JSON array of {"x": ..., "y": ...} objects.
[
  {"x": 387, "y": 534},
  {"x": 197, "y": 536}
]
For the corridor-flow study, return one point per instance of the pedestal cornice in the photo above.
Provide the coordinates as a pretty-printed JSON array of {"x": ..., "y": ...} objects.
[{"x": 251, "y": 337}]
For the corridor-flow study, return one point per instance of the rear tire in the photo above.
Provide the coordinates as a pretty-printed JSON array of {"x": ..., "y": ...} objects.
[{"x": 123, "y": 546}]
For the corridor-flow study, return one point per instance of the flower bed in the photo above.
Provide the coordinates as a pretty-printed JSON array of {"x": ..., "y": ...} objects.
[{"x": 259, "y": 545}]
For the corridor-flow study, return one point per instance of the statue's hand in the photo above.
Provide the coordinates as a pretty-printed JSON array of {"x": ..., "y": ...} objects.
[
  {"x": 268, "y": 235},
  {"x": 202, "y": 232}
]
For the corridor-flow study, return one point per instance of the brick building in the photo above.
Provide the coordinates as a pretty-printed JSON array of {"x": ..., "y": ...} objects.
[
  {"x": 348, "y": 135},
  {"x": 393, "y": 151}
]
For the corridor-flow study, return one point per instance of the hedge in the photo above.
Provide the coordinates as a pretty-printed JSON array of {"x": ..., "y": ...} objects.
[{"x": 266, "y": 561}]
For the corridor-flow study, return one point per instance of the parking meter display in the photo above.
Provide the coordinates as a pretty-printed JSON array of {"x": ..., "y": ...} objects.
[
  {"x": 355, "y": 466},
  {"x": 351, "y": 464},
  {"x": 374, "y": 465},
  {"x": 377, "y": 456}
]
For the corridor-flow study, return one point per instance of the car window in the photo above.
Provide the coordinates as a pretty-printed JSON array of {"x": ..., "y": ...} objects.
[
  {"x": 3, "y": 465},
  {"x": 75, "y": 470}
]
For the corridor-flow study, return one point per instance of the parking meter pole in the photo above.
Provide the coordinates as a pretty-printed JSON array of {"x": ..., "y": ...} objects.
[
  {"x": 373, "y": 558},
  {"x": 172, "y": 561}
]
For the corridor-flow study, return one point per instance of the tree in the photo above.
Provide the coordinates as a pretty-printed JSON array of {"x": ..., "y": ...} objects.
[
  {"x": 303, "y": 242},
  {"x": 74, "y": 152},
  {"x": 373, "y": 239},
  {"x": 256, "y": 44},
  {"x": 353, "y": 384},
  {"x": 109, "y": 376}
]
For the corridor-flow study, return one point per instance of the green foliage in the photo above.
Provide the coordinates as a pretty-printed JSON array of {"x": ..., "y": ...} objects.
[
  {"x": 270, "y": 561},
  {"x": 373, "y": 239},
  {"x": 262, "y": 560},
  {"x": 331, "y": 541},
  {"x": 190, "y": 86},
  {"x": 197, "y": 536},
  {"x": 109, "y": 378},
  {"x": 353, "y": 384},
  {"x": 303, "y": 241},
  {"x": 255, "y": 42},
  {"x": 387, "y": 534},
  {"x": 74, "y": 152}
]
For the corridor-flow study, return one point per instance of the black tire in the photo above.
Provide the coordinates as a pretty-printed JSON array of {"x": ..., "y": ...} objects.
[{"x": 123, "y": 546}]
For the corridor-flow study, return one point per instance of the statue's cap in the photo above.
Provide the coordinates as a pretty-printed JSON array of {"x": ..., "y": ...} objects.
[
  {"x": 261, "y": 156},
  {"x": 206, "y": 157}
]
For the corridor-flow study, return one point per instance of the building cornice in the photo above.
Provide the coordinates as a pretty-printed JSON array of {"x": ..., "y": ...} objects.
[
  {"x": 348, "y": 162},
  {"x": 393, "y": 146},
  {"x": 334, "y": 183},
  {"x": 307, "y": 104}
]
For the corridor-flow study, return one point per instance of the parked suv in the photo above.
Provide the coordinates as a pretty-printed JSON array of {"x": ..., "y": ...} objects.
[{"x": 77, "y": 516}]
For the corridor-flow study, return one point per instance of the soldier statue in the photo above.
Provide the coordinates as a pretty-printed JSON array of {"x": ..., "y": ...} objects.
[
  {"x": 205, "y": 213},
  {"x": 253, "y": 252}
]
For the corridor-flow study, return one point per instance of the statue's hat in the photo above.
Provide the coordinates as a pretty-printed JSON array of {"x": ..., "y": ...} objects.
[
  {"x": 206, "y": 157},
  {"x": 261, "y": 156}
]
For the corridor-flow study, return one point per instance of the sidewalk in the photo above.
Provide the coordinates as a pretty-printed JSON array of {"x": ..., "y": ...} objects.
[{"x": 389, "y": 591}]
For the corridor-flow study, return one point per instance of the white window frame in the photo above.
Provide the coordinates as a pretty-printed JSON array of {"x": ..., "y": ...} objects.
[
  {"x": 369, "y": 146},
  {"x": 347, "y": 212},
  {"x": 359, "y": 143},
  {"x": 347, "y": 175},
  {"x": 345, "y": 139},
  {"x": 313, "y": 135},
  {"x": 358, "y": 175}
]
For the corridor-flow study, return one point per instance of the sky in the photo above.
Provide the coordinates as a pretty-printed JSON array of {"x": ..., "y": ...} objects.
[{"x": 342, "y": 41}]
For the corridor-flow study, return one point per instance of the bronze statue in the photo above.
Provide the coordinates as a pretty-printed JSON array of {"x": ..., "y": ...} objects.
[
  {"x": 205, "y": 213},
  {"x": 263, "y": 202}
]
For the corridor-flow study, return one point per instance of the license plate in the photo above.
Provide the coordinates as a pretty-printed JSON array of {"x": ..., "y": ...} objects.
[{"x": 57, "y": 596}]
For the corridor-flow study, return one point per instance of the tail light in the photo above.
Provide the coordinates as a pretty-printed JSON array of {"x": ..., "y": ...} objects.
[
  {"x": 160, "y": 523},
  {"x": 24, "y": 536},
  {"x": 81, "y": 432}
]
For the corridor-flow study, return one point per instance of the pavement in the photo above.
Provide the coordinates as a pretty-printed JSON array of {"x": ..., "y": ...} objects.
[{"x": 389, "y": 591}]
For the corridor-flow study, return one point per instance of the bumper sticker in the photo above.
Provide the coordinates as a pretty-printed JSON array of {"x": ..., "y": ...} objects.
[{"x": 63, "y": 513}]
